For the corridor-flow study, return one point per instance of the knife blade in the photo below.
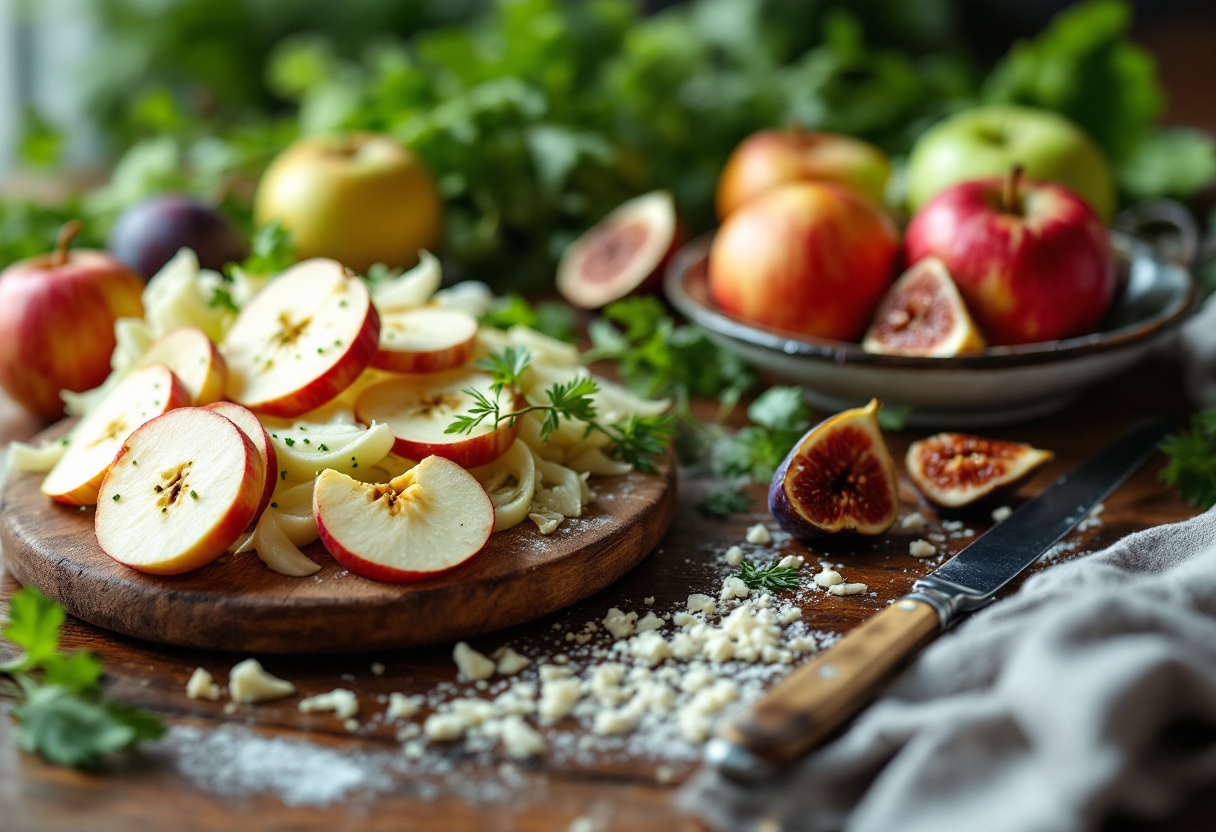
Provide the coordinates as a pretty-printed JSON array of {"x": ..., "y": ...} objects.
[{"x": 826, "y": 692}]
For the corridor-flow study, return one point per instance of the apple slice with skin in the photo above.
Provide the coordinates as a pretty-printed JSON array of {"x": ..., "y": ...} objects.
[
  {"x": 419, "y": 409},
  {"x": 143, "y": 395},
  {"x": 183, "y": 488},
  {"x": 425, "y": 340},
  {"x": 244, "y": 419},
  {"x": 194, "y": 359},
  {"x": 301, "y": 341},
  {"x": 430, "y": 519}
]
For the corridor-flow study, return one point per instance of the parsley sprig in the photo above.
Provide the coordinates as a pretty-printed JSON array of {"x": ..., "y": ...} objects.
[
  {"x": 60, "y": 712},
  {"x": 637, "y": 441},
  {"x": 725, "y": 502},
  {"x": 1192, "y": 461},
  {"x": 770, "y": 576}
]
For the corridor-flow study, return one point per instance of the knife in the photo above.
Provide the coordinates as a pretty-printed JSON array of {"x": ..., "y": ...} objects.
[{"x": 821, "y": 696}]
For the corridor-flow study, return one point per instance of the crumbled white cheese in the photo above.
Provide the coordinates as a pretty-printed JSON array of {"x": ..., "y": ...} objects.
[
  {"x": 472, "y": 710},
  {"x": 914, "y": 521},
  {"x": 444, "y": 727},
  {"x": 759, "y": 535},
  {"x": 351, "y": 725},
  {"x": 401, "y": 706},
  {"x": 649, "y": 622},
  {"x": 664, "y": 775},
  {"x": 557, "y": 699},
  {"x": 791, "y": 562},
  {"x": 649, "y": 648},
  {"x": 248, "y": 682},
  {"x": 696, "y": 718},
  {"x": 341, "y": 701},
  {"x": 848, "y": 589},
  {"x": 549, "y": 672},
  {"x": 701, "y": 603},
  {"x": 620, "y": 624},
  {"x": 803, "y": 644},
  {"x": 733, "y": 587},
  {"x": 789, "y": 615},
  {"x": 718, "y": 649},
  {"x": 510, "y": 662},
  {"x": 1001, "y": 514},
  {"x": 733, "y": 556},
  {"x": 377, "y": 669},
  {"x": 471, "y": 665},
  {"x": 828, "y": 577},
  {"x": 683, "y": 619},
  {"x": 696, "y": 678},
  {"x": 952, "y": 525},
  {"x": 615, "y": 721},
  {"x": 921, "y": 549},
  {"x": 409, "y": 731},
  {"x": 606, "y": 683},
  {"x": 520, "y": 740},
  {"x": 201, "y": 686},
  {"x": 648, "y": 600}
]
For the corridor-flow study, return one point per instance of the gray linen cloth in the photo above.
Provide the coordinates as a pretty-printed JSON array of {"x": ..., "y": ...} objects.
[{"x": 1090, "y": 691}]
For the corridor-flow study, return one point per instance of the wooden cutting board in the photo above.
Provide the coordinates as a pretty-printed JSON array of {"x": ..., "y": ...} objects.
[{"x": 238, "y": 604}]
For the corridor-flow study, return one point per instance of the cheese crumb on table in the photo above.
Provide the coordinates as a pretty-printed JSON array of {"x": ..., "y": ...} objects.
[
  {"x": 444, "y": 727},
  {"x": 921, "y": 549},
  {"x": 847, "y": 589},
  {"x": 341, "y": 701},
  {"x": 701, "y": 603},
  {"x": 829, "y": 577},
  {"x": 471, "y": 666},
  {"x": 914, "y": 521},
  {"x": 510, "y": 662},
  {"x": 1001, "y": 514},
  {"x": 648, "y": 600},
  {"x": 377, "y": 669},
  {"x": 733, "y": 556},
  {"x": 201, "y": 686},
  {"x": 248, "y": 683},
  {"x": 649, "y": 622},
  {"x": 557, "y": 699},
  {"x": 759, "y": 535},
  {"x": 791, "y": 562},
  {"x": 733, "y": 587},
  {"x": 620, "y": 624},
  {"x": 520, "y": 740},
  {"x": 401, "y": 706}
]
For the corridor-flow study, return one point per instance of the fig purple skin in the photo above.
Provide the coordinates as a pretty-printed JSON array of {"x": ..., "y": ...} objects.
[
  {"x": 782, "y": 509},
  {"x": 148, "y": 234}
]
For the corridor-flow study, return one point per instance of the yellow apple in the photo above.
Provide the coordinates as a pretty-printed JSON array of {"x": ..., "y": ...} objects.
[{"x": 358, "y": 198}]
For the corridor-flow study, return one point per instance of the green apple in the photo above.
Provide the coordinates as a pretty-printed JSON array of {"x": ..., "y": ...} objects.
[
  {"x": 987, "y": 141},
  {"x": 358, "y": 198}
]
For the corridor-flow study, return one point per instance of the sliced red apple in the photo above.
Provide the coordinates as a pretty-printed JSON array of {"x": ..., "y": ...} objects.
[
  {"x": 430, "y": 519},
  {"x": 244, "y": 419},
  {"x": 419, "y": 409},
  {"x": 194, "y": 359},
  {"x": 425, "y": 340},
  {"x": 183, "y": 488},
  {"x": 143, "y": 395},
  {"x": 301, "y": 341}
]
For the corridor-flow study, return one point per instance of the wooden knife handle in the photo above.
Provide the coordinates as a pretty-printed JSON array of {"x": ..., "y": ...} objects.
[{"x": 826, "y": 692}]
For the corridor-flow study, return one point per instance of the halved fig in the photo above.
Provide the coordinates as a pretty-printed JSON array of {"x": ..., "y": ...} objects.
[
  {"x": 954, "y": 470},
  {"x": 923, "y": 314},
  {"x": 624, "y": 252},
  {"x": 838, "y": 478}
]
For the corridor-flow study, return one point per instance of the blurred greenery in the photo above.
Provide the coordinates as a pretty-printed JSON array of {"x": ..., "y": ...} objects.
[{"x": 538, "y": 116}]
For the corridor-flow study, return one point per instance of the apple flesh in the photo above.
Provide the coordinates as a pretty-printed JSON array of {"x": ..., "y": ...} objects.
[
  {"x": 430, "y": 519},
  {"x": 425, "y": 340},
  {"x": 986, "y": 142},
  {"x": 253, "y": 430},
  {"x": 359, "y": 198},
  {"x": 182, "y": 489},
  {"x": 808, "y": 258},
  {"x": 419, "y": 409},
  {"x": 194, "y": 359},
  {"x": 771, "y": 158},
  {"x": 57, "y": 314},
  {"x": 1032, "y": 260},
  {"x": 301, "y": 341},
  {"x": 143, "y": 395},
  {"x": 148, "y": 234}
]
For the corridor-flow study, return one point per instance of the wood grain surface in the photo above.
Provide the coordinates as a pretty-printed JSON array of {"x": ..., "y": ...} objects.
[{"x": 236, "y": 603}]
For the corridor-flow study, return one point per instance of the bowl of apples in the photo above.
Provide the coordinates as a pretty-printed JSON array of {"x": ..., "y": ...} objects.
[{"x": 1004, "y": 297}]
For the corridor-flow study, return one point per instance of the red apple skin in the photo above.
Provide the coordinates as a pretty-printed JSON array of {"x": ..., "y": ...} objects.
[
  {"x": 261, "y": 443},
  {"x": 1045, "y": 274},
  {"x": 809, "y": 258},
  {"x": 434, "y": 361},
  {"x": 469, "y": 452},
  {"x": 57, "y": 325},
  {"x": 771, "y": 158}
]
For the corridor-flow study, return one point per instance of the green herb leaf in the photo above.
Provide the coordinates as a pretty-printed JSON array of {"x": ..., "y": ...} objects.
[
  {"x": 552, "y": 318},
  {"x": 1191, "y": 465},
  {"x": 782, "y": 418},
  {"x": 34, "y": 622},
  {"x": 893, "y": 417},
  {"x": 272, "y": 251},
  {"x": 770, "y": 577},
  {"x": 68, "y": 730},
  {"x": 725, "y": 502},
  {"x": 221, "y": 298}
]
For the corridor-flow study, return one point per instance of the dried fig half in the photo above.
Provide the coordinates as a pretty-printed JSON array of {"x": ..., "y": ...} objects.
[
  {"x": 625, "y": 252},
  {"x": 954, "y": 470},
  {"x": 923, "y": 314},
  {"x": 838, "y": 478}
]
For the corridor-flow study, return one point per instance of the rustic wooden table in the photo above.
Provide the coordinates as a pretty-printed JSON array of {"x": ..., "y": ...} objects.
[{"x": 161, "y": 788}]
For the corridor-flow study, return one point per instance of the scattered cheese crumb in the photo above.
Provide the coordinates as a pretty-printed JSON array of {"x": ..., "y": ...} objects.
[
  {"x": 549, "y": 672},
  {"x": 510, "y": 662},
  {"x": 759, "y": 535},
  {"x": 648, "y": 600},
  {"x": 230, "y": 708},
  {"x": 444, "y": 727},
  {"x": 790, "y": 614},
  {"x": 558, "y": 698},
  {"x": 649, "y": 622},
  {"x": 471, "y": 665},
  {"x": 791, "y": 562},
  {"x": 201, "y": 686},
  {"x": 828, "y": 577},
  {"x": 847, "y": 589},
  {"x": 952, "y": 525},
  {"x": 664, "y": 775},
  {"x": 921, "y": 549},
  {"x": 351, "y": 725},
  {"x": 733, "y": 556},
  {"x": 914, "y": 521},
  {"x": 248, "y": 682},
  {"x": 401, "y": 706},
  {"x": 615, "y": 721},
  {"x": 701, "y": 603},
  {"x": 342, "y": 702},
  {"x": 520, "y": 740},
  {"x": 620, "y": 624},
  {"x": 1001, "y": 514},
  {"x": 733, "y": 587},
  {"x": 377, "y": 669},
  {"x": 682, "y": 619},
  {"x": 649, "y": 649}
]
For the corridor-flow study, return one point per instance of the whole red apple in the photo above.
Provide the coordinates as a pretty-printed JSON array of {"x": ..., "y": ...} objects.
[
  {"x": 770, "y": 158},
  {"x": 1031, "y": 259},
  {"x": 809, "y": 258},
  {"x": 57, "y": 314}
]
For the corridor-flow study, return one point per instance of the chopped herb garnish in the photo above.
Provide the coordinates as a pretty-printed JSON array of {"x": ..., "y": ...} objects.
[
  {"x": 290, "y": 442},
  {"x": 323, "y": 447},
  {"x": 158, "y": 488},
  {"x": 116, "y": 496},
  {"x": 193, "y": 494},
  {"x": 306, "y": 442},
  {"x": 283, "y": 475},
  {"x": 274, "y": 505},
  {"x": 771, "y": 576}
]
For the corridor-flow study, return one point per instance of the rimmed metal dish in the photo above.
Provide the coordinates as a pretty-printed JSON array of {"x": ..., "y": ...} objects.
[{"x": 1001, "y": 385}]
